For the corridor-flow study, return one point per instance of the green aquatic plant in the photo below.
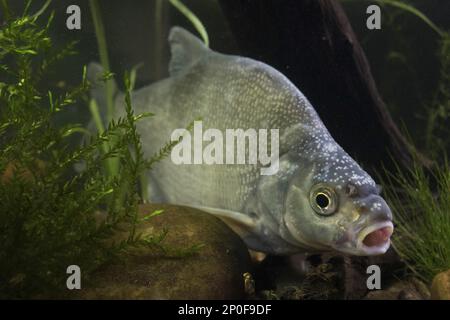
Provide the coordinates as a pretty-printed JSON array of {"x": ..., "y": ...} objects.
[
  {"x": 50, "y": 214},
  {"x": 437, "y": 112},
  {"x": 198, "y": 25},
  {"x": 111, "y": 164},
  {"x": 405, "y": 6},
  {"x": 438, "y": 132},
  {"x": 420, "y": 201},
  {"x": 159, "y": 25}
]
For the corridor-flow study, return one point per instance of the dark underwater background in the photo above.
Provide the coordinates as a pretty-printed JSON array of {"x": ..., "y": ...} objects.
[
  {"x": 402, "y": 55},
  {"x": 409, "y": 61}
]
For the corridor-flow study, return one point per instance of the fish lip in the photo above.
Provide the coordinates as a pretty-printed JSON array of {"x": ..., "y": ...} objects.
[
  {"x": 374, "y": 250},
  {"x": 354, "y": 245}
]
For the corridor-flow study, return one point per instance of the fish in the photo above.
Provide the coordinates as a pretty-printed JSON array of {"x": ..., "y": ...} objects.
[{"x": 318, "y": 200}]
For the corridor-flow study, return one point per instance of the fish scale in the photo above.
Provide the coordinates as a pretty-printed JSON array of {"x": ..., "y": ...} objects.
[{"x": 231, "y": 111}]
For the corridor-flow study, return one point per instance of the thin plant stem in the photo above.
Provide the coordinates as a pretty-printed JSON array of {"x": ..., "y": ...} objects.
[
  {"x": 103, "y": 52},
  {"x": 414, "y": 11},
  {"x": 157, "y": 41},
  {"x": 193, "y": 19},
  {"x": 112, "y": 164}
]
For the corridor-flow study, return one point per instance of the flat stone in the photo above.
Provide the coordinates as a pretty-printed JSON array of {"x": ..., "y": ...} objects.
[{"x": 215, "y": 271}]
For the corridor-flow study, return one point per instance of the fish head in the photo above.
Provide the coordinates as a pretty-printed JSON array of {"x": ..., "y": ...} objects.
[{"x": 337, "y": 206}]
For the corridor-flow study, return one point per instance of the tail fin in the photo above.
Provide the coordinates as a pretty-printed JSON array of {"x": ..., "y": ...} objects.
[{"x": 186, "y": 49}]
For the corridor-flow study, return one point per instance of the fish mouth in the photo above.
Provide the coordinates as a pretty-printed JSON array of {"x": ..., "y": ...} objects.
[{"x": 376, "y": 238}]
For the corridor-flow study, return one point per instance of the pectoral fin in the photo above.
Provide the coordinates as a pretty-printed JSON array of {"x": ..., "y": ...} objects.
[{"x": 240, "y": 223}]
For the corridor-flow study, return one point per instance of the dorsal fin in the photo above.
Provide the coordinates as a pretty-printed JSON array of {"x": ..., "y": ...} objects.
[{"x": 186, "y": 49}]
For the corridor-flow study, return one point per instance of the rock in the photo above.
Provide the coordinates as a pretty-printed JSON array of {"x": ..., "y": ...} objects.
[
  {"x": 295, "y": 278},
  {"x": 334, "y": 276},
  {"x": 11, "y": 169},
  {"x": 349, "y": 274},
  {"x": 408, "y": 289},
  {"x": 440, "y": 287},
  {"x": 214, "y": 272}
]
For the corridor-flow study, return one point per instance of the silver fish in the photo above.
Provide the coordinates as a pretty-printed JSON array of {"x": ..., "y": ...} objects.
[{"x": 319, "y": 200}]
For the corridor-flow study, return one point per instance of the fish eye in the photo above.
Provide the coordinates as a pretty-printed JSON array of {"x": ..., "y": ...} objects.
[{"x": 323, "y": 200}]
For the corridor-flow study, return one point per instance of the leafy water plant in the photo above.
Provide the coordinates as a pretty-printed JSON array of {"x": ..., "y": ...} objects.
[
  {"x": 48, "y": 211},
  {"x": 437, "y": 112},
  {"x": 405, "y": 6},
  {"x": 111, "y": 164},
  {"x": 421, "y": 203},
  {"x": 438, "y": 132}
]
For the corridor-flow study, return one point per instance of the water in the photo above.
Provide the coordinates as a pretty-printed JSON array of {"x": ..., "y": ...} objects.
[{"x": 403, "y": 68}]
